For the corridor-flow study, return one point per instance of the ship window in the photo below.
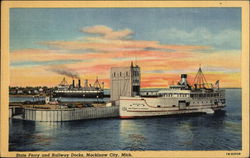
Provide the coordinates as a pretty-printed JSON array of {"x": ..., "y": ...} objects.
[
  {"x": 158, "y": 106},
  {"x": 173, "y": 105},
  {"x": 114, "y": 74},
  {"x": 120, "y": 73}
]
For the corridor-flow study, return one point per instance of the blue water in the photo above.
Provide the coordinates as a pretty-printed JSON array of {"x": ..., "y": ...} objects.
[{"x": 200, "y": 132}]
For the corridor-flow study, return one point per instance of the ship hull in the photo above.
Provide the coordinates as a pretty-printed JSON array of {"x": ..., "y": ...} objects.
[{"x": 149, "y": 107}]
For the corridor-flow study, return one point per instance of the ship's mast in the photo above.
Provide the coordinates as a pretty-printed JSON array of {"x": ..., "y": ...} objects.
[
  {"x": 63, "y": 82},
  {"x": 199, "y": 80},
  {"x": 97, "y": 84}
]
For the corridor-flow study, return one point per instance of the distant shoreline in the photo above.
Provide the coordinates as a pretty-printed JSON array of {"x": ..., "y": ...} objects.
[{"x": 24, "y": 95}]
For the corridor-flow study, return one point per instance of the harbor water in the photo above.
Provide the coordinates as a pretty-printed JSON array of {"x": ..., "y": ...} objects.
[{"x": 183, "y": 132}]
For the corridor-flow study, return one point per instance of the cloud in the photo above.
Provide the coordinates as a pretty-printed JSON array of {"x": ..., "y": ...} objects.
[
  {"x": 223, "y": 39},
  {"x": 221, "y": 70},
  {"x": 107, "y": 32},
  {"x": 98, "y": 44},
  {"x": 95, "y": 55},
  {"x": 40, "y": 63}
]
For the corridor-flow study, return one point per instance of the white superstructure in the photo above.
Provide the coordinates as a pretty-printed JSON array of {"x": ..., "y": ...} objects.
[{"x": 177, "y": 99}]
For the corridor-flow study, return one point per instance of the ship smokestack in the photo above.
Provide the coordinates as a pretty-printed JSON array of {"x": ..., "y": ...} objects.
[
  {"x": 86, "y": 84},
  {"x": 79, "y": 83},
  {"x": 183, "y": 78},
  {"x": 73, "y": 83}
]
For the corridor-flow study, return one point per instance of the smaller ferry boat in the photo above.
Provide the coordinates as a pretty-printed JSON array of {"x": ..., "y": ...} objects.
[
  {"x": 73, "y": 90},
  {"x": 200, "y": 97}
]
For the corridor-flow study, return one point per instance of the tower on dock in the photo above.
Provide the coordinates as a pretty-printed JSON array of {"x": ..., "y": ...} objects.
[{"x": 125, "y": 81}]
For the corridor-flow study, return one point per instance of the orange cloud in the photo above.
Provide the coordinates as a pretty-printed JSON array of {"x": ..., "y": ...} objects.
[
  {"x": 107, "y": 32},
  {"x": 160, "y": 63}
]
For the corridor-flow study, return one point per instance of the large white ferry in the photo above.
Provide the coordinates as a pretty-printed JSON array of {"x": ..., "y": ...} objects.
[{"x": 182, "y": 98}]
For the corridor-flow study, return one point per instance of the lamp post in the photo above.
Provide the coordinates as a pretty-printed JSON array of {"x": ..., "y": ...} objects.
[
  {"x": 33, "y": 100},
  {"x": 83, "y": 99}
]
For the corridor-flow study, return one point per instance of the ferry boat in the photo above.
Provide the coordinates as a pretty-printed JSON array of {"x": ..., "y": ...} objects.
[
  {"x": 201, "y": 97},
  {"x": 87, "y": 91}
]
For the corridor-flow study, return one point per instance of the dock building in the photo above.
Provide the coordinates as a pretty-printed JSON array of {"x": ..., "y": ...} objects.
[{"x": 125, "y": 81}]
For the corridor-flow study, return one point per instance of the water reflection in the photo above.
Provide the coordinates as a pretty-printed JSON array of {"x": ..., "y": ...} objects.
[{"x": 132, "y": 132}]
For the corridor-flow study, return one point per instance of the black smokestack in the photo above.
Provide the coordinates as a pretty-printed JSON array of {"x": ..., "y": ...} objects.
[
  {"x": 183, "y": 75},
  {"x": 184, "y": 79},
  {"x": 79, "y": 83},
  {"x": 73, "y": 83}
]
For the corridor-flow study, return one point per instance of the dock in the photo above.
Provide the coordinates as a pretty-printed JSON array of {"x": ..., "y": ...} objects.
[{"x": 68, "y": 114}]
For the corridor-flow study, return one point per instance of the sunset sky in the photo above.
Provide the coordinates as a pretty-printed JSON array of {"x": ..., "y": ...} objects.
[{"x": 164, "y": 42}]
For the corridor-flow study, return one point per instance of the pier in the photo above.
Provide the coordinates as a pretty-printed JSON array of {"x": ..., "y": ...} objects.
[{"x": 69, "y": 114}]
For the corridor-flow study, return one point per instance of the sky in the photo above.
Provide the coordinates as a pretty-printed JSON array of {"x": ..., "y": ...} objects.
[{"x": 47, "y": 44}]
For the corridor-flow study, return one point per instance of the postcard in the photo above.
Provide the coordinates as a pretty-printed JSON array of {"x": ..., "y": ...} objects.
[{"x": 124, "y": 79}]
